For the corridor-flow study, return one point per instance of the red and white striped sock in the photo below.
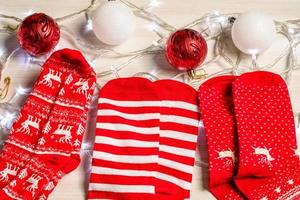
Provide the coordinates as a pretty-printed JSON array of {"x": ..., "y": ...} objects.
[
  {"x": 126, "y": 146},
  {"x": 216, "y": 105},
  {"x": 34, "y": 114},
  {"x": 179, "y": 120},
  {"x": 269, "y": 164},
  {"x": 57, "y": 151}
]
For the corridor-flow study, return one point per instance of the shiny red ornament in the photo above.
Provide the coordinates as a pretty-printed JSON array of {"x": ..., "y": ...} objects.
[
  {"x": 186, "y": 49},
  {"x": 38, "y": 34}
]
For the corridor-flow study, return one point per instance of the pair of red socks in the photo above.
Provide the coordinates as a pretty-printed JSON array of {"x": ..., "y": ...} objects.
[
  {"x": 251, "y": 137},
  {"x": 145, "y": 143},
  {"x": 45, "y": 140}
]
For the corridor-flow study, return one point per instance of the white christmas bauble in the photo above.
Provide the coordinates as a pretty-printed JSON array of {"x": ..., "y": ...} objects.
[
  {"x": 253, "y": 32},
  {"x": 113, "y": 22}
]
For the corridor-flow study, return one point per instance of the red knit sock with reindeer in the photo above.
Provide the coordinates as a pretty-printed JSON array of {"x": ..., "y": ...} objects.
[
  {"x": 57, "y": 151},
  {"x": 25, "y": 131},
  {"x": 216, "y": 105},
  {"x": 268, "y": 156}
]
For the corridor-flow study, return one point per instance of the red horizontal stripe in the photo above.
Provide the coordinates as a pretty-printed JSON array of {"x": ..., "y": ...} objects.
[
  {"x": 121, "y": 180},
  {"x": 177, "y": 158},
  {"x": 120, "y": 120},
  {"x": 129, "y": 166},
  {"x": 137, "y": 151},
  {"x": 127, "y": 135},
  {"x": 120, "y": 196},
  {"x": 178, "y": 143},
  {"x": 176, "y": 173}
]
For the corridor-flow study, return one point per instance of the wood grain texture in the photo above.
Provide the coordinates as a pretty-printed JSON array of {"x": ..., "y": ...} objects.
[{"x": 176, "y": 12}]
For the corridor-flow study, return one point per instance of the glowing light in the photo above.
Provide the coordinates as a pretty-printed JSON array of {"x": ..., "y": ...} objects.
[
  {"x": 22, "y": 91},
  {"x": 291, "y": 30},
  {"x": 153, "y": 26},
  {"x": 1, "y": 52},
  {"x": 89, "y": 25},
  {"x": 93, "y": 63},
  {"x": 154, "y": 3},
  {"x": 29, "y": 12},
  {"x": 216, "y": 12},
  {"x": 10, "y": 116}
]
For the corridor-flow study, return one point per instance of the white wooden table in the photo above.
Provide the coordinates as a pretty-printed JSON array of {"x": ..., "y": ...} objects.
[{"x": 176, "y": 12}]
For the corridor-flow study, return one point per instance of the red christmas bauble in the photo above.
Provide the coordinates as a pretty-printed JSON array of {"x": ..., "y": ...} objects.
[
  {"x": 38, "y": 34},
  {"x": 186, "y": 49}
]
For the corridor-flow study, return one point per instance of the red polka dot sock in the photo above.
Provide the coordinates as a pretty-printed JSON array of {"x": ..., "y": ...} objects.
[
  {"x": 126, "y": 145},
  {"x": 179, "y": 122},
  {"x": 25, "y": 131},
  {"x": 216, "y": 105},
  {"x": 57, "y": 151},
  {"x": 269, "y": 163}
]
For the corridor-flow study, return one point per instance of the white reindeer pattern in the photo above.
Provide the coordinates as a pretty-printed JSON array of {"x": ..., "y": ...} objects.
[
  {"x": 69, "y": 79},
  {"x": 47, "y": 128},
  {"x": 34, "y": 180},
  {"x": 41, "y": 141},
  {"x": 9, "y": 170},
  {"x": 227, "y": 154},
  {"x": 30, "y": 121},
  {"x": 65, "y": 131},
  {"x": 22, "y": 174},
  {"x": 84, "y": 86},
  {"x": 264, "y": 152},
  {"x": 52, "y": 75},
  {"x": 49, "y": 186},
  {"x": 80, "y": 130}
]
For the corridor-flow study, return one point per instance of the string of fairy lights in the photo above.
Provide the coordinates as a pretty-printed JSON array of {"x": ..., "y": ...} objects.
[{"x": 214, "y": 27}]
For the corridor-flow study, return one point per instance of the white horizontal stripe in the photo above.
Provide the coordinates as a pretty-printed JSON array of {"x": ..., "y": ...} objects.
[
  {"x": 57, "y": 102},
  {"x": 176, "y": 165},
  {"x": 121, "y": 188},
  {"x": 125, "y": 158},
  {"x": 130, "y": 103},
  {"x": 180, "y": 104},
  {"x": 164, "y": 103},
  {"x": 122, "y": 172},
  {"x": 179, "y": 120},
  {"x": 124, "y": 142},
  {"x": 178, "y": 135},
  {"x": 144, "y": 116},
  {"x": 125, "y": 127},
  {"x": 177, "y": 151},
  {"x": 179, "y": 182}
]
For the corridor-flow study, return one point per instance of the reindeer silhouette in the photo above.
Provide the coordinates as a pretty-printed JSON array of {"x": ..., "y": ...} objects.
[
  {"x": 30, "y": 121},
  {"x": 264, "y": 152},
  {"x": 84, "y": 86},
  {"x": 227, "y": 154},
  {"x": 52, "y": 75},
  {"x": 9, "y": 170},
  {"x": 34, "y": 180},
  {"x": 65, "y": 131}
]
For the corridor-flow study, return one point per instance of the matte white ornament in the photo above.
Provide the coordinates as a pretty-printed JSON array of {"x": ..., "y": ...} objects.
[
  {"x": 113, "y": 22},
  {"x": 253, "y": 32}
]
